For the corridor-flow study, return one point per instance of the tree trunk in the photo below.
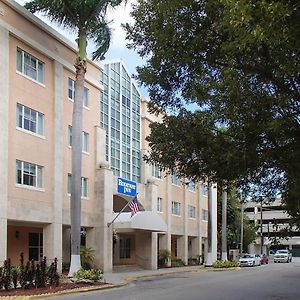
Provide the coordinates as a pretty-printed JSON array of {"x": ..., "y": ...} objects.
[
  {"x": 75, "y": 205},
  {"x": 224, "y": 224}
]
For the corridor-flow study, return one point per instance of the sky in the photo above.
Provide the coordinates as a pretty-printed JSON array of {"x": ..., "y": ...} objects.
[{"x": 117, "y": 49}]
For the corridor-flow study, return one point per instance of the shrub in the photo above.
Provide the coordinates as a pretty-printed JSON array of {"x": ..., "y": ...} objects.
[
  {"x": 225, "y": 264},
  {"x": 177, "y": 262},
  {"x": 92, "y": 274},
  {"x": 15, "y": 273},
  {"x": 87, "y": 256},
  {"x": 29, "y": 275},
  {"x": 65, "y": 266},
  {"x": 192, "y": 261},
  {"x": 164, "y": 256}
]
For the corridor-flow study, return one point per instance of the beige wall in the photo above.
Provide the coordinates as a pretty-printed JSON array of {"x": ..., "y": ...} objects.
[
  {"x": 183, "y": 225},
  {"x": 28, "y": 204},
  {"x": 17, "y": 244}
]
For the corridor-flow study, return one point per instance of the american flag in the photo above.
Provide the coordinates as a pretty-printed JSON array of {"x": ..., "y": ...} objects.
[{"x": 134, "y": 206}]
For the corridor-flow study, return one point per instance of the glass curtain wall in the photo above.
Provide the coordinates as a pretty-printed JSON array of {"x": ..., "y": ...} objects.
[{"x": 120, "y": 116}]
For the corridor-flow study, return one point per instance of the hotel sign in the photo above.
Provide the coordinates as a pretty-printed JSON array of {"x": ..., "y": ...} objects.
[{"x": 126, "y": 187}]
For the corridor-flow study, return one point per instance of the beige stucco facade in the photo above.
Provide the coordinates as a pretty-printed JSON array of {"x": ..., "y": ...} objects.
[{"x": 35, "y": 219}]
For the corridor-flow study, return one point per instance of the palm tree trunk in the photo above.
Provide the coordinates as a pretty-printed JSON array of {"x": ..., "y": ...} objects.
[
  {"x": 77, "y": 157},
  {"x": 224, "y": 224}
]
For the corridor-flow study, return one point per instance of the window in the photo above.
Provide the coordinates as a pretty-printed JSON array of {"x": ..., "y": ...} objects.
[
  {"x": 192, "y": 186},
  {"x": 176, "y": 208},
  {"x": 29, "y": 174},
  {"x": 204, "y": 214},
  {"x": 156, "y": 171},
  {"x": 30, "y": 119},
  {"x": 175, "y": 179},
  {"x": 83, "y": 236},
  {"x": 159, "y": 204},
  {"x": 30, "y": 66},
  {"x": 84, "y": 186},
  {"x": 85, "y": 139},
  {"x": 192, "y": 212},
  {"x": 35, "y": 241},
  {"x": 125, "y": 247},
  {"x": 204, "y": 191},
  {"x": 71, "y": 92}
]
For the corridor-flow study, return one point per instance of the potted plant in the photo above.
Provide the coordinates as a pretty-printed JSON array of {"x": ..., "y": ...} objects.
[{"x": 164, "y": 257}]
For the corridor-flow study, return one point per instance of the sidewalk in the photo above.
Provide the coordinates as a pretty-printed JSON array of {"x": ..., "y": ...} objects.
[{"x": 121, "y": 278}]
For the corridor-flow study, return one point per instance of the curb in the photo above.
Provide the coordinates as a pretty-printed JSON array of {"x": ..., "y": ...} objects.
[{"x": 126, "y": 281}]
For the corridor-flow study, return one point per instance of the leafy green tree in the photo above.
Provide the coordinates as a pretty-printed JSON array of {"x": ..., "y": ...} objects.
[
  {"x": 234, "y": 222},
  {"x": 87, "y": 17},
  {"x": 236, "y": 63}
]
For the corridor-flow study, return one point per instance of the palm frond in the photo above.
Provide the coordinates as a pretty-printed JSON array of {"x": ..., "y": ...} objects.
[
  {"x": 83, "y": 15},
  {"x": 63, "y": 12},
  {"x": 100, "y": 33}
]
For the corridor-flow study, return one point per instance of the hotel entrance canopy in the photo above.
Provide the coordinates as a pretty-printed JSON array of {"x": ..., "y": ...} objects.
[{"x": 142, "y": 220}]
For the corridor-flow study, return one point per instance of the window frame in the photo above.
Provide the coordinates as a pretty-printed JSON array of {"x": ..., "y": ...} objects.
[
  {"x": 156, "y": 171},
  {"x": 204, "y": 190},
  {"x": 204, "y": 215},
  {"x": 71, "y": 93},
  {"x": 38, "y": 79},
  {"x": 39, "y": 126},
  {"x": 176, "y": 180},
  {"x": 84, "y": 186},
  {"x": 125, "y": 248},
  {"x": 85, "y": 140},
  {"x": 159, "y": 204},
  {"x": 176, "y": 207},
  {"x": 191, "y": 212},
  {"x": 37, "y": 170},
  {"x": 39, "y": 247},
  {"x": 192, "y": 186}
]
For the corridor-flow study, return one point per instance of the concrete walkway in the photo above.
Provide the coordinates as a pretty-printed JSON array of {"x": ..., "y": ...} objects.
[{"x": 123, "y": 277}]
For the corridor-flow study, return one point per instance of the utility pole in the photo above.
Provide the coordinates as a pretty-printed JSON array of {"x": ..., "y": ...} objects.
[
  {"x": 242, "y": 228},
  {"x": 261, "y": 227},
  {"x": 224, "y": 224}
]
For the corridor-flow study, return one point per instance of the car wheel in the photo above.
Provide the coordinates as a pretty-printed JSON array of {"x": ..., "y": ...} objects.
[{"x": 267, "y": 262}]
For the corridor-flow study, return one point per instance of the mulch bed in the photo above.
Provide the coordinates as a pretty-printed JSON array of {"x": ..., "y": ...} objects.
[{"x": 49, "y": 289}]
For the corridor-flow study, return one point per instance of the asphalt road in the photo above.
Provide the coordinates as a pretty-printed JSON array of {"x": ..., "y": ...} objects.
[{"x": 268, "y": 282}]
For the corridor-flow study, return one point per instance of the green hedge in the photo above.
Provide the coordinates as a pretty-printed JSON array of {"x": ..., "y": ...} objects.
[
  {"x": 225, "y": 264},
  {"x": 177, "y": 262},
  {"x": 92, "y": 274}
]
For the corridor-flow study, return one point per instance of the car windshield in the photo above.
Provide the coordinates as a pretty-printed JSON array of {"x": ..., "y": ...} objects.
[
  {"x": 282, "y": 251},
  {"x": 248, "y": 256}
]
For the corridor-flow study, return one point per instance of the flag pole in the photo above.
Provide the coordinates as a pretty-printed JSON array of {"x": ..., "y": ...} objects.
[{"x": 109, "y": 223}]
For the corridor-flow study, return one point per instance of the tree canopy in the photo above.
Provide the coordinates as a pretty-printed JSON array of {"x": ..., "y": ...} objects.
[{"x": 236, "y": 65}]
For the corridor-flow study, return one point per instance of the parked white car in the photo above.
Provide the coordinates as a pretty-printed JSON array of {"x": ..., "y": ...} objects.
[
  {"x": 250, "y": 260},
  {"x": 283, "y": 256}
]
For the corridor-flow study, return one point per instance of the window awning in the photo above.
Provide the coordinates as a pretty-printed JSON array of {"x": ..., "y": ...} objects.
[{"x": 142, "y": 220}]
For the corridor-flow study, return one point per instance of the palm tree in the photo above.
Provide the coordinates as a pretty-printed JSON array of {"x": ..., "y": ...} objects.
[{"x": 88, "y": 18}]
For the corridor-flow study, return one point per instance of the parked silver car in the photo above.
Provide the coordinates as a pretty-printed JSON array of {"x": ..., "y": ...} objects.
[
  {"x": 283, "y": 256},
  {"x": 250, "y": 260}
]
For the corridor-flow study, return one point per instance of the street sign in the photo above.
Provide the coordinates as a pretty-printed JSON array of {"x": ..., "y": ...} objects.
[{"x": 126, "y": 187}]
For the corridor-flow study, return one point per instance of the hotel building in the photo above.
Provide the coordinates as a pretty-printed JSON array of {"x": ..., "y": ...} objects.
[{"x": 37, "y": 94}]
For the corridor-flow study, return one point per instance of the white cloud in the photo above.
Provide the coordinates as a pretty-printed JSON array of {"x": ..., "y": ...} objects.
[{"x": 119, "y": 15}]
